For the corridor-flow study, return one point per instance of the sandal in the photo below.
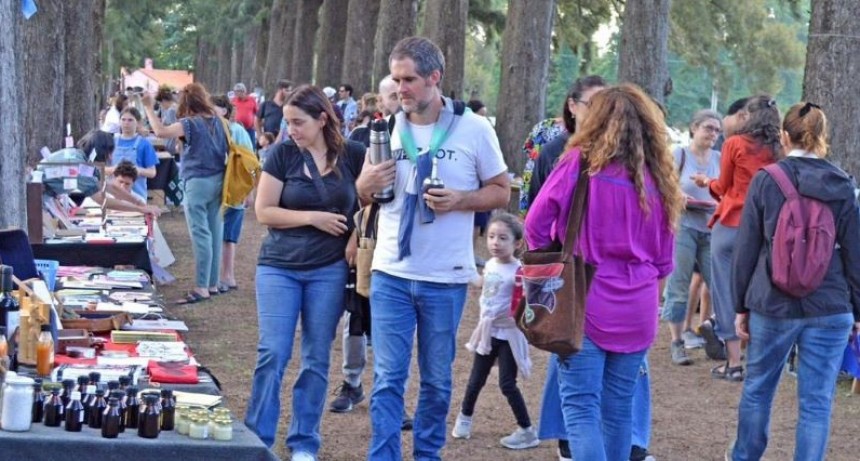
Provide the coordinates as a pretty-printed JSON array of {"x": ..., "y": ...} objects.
[
  {"x": 192, "y": 297},
  {"x": 224, "y": 288},
  {"x": 724, "y": 371}
]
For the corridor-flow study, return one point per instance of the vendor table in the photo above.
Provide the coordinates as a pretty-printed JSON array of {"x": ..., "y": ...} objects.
[
  {"x": 95, "y": 254},
  {"x": 54, "y": 443}
]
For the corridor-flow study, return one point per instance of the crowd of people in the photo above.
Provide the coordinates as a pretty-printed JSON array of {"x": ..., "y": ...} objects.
[{"x": 672, "y": 232}]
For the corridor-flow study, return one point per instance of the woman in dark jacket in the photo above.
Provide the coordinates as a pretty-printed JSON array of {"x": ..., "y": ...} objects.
[{"x": 773, "y": 320}]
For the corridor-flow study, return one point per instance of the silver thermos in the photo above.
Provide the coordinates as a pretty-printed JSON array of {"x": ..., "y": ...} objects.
[{"x": 380, "y": 151}]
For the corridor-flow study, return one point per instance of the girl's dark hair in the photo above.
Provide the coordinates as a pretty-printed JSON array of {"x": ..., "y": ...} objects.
[
  {"x": 119, "y": 101},
  {"x": 100, "y": 141},
  {"x": 223, "y": 102},
  {"x": 475, "y": 105},
  {"x": 133, "y": 112},
  {"x": 511, "y": 221},
  {"x": 806, "y": 126},
  {"x": 581, "y": 85},
  {"x": 763, "y": 123},
  {"x": 312, "y": 101},
  {"x": 269, "y": 136},
  {"x": 194, "y": 100},
  {"x": 164, "y": 94}
]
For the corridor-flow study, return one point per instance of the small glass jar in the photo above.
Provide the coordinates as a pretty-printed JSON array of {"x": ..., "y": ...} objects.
[
  {"x": 198, "y": 428},
  {"x": 17, "y": 411},
  {"x": 183, "y": 413},
  {"x": 223, "y": 429}
]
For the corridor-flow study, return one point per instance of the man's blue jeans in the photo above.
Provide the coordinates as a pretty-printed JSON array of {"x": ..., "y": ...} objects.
[
  {"x": 400, "y": 306},
  {"x": 284, "y": 297},
  {"x": 691, "y": 246},
  {"x": 821, "y": 343},
  {"x": 551, "y": 426},
  {"x": 596, "y": 389},
  {"x": 202, "y": 205}
]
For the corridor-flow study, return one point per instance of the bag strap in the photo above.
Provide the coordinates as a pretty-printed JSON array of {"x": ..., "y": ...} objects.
[
  {"x": 785, "y": 185},
  {"x": 315, "y": 176},
  {"x": 683, "y": 160},
  {"x": 367, "y": 224},
  {"x": 577, "y": 208},
  {"x": 227, "y": 132}
]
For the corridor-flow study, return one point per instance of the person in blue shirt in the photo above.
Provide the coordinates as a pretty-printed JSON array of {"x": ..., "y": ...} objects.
[{"x": 135, "y": 148}]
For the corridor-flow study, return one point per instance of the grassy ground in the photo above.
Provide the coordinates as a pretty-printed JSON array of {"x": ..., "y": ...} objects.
[{"x": 694, "y": 416}]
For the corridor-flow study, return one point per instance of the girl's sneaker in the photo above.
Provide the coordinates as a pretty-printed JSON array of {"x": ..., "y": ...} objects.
[
  {"x": 522, "y": 438},
  {"x": 462, "y": 427}
]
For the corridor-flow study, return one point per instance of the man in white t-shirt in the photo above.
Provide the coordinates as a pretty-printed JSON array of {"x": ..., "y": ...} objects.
[{"x": 424, "y": 256}]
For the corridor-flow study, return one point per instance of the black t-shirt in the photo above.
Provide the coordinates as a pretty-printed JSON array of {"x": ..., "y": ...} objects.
[
  {"x": 307, "y": 247},
  {"x": 545, "y": 163},
  {"x": 271, "y": 114}
]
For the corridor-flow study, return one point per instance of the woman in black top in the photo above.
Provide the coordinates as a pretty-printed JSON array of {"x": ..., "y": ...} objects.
[{"x": 306, "y": 197}]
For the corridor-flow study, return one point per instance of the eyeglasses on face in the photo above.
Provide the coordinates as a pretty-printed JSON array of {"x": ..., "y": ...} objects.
[{"x": 711, "y": 129}]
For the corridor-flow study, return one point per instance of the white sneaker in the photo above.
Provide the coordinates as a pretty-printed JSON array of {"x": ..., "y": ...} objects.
[
  {"x": 692, "y": 340},
  {"x": 462, "y": 427},
  {"x": 302, "y": 456},
  {"x": 522, "y": 438}
]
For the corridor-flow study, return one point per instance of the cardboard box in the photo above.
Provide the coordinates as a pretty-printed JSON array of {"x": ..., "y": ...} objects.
[{"x": 155, "y": 197}]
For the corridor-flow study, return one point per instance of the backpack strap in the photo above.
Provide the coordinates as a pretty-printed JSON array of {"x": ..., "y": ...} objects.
[{"x": 785, "y": 185}]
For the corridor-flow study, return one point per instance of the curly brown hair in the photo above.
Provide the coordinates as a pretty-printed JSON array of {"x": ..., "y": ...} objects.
[
  {"x": 194, "y": 100},
  {"x": 624, "y": 125}
]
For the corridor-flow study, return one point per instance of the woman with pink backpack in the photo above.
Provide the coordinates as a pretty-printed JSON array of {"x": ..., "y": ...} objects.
[{"x": 795, "y": 280}]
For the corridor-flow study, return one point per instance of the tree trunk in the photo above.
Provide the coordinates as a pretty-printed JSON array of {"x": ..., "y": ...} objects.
[
  {"x": 525, "y": 69},
  {"x": 396, "y": 21},
  {"x": 358, "y": 46},
  {"x": 225, "y": 53},
  {"x": 279, "y": 55},
  {"x": 445, "y": 24},
  {"x": 44, "y": 67},
  {"x": 236, "y": 61},
  {"x": 13, "y": 213},
  {"x": 81, "y": 83},
  {"x": 202, "y": 62},
  {"x": 832, "y": 66},
  {"x": 643, "y": 56},
  {"x": 98, "y": 43},
  {"x": 331, "y": 40},
  {"x": 249, "y": 57},
  {"x": 262, "y": 50},
  {"x": 307, "y": 24}
]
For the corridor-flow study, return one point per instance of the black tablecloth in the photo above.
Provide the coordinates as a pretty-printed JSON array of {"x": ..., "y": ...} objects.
[
  {"x": 91, "y": 254},
  {"x": 54, "y": 443}
]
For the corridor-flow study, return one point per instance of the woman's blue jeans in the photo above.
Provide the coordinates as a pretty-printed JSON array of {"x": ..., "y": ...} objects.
[
  {"x": 284, "y": 297},
  {"x": 202, "y": 205},
  {"x": 820, "y": 342},
  {"x": 400, "y": 308},
  {"x": 596, "y": 389},
  {"x": 691, "y": 246}
]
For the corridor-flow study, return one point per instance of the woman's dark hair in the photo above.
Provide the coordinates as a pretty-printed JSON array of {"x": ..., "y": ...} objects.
[
  {"x": 194, "y": 100},
  {"x": 119, "y": 101},
  {"x": 223, "y": 102},
  {"x": 269, "y": 137},
  {"x": 100, "y": 141},
  {"x": 475, "y": 105},
  {"x": 763, "y": 123},
  {"x": 580, "y": 86},
  {"x": 133, "y": 112},
  {"x": 164, "y": 94},
  {"x": 312, "y": 101},
  {"x": 125, "y": 169},
  {"x": 509, "y": 220}
]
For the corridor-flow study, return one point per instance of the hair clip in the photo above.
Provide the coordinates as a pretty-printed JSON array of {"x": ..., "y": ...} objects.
[{"x": 807, "y": 107}]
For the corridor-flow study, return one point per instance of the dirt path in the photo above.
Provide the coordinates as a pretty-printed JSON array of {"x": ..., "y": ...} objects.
[{"x": 694, "y": 416}]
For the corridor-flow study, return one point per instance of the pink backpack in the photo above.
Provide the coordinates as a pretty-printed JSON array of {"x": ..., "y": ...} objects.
[{"x": 804, "y": 239}]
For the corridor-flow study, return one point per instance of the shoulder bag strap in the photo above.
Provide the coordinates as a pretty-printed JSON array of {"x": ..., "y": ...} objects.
[
  {"x": 315, "y": 175},
  {"x": 683, "y": 160},
  {"x": 577, "y": 209}
]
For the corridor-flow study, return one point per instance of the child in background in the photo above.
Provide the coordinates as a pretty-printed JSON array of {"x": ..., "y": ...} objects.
[
  {"x": 265, "y": 141},
  {"x": 497, "y": 338}
]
